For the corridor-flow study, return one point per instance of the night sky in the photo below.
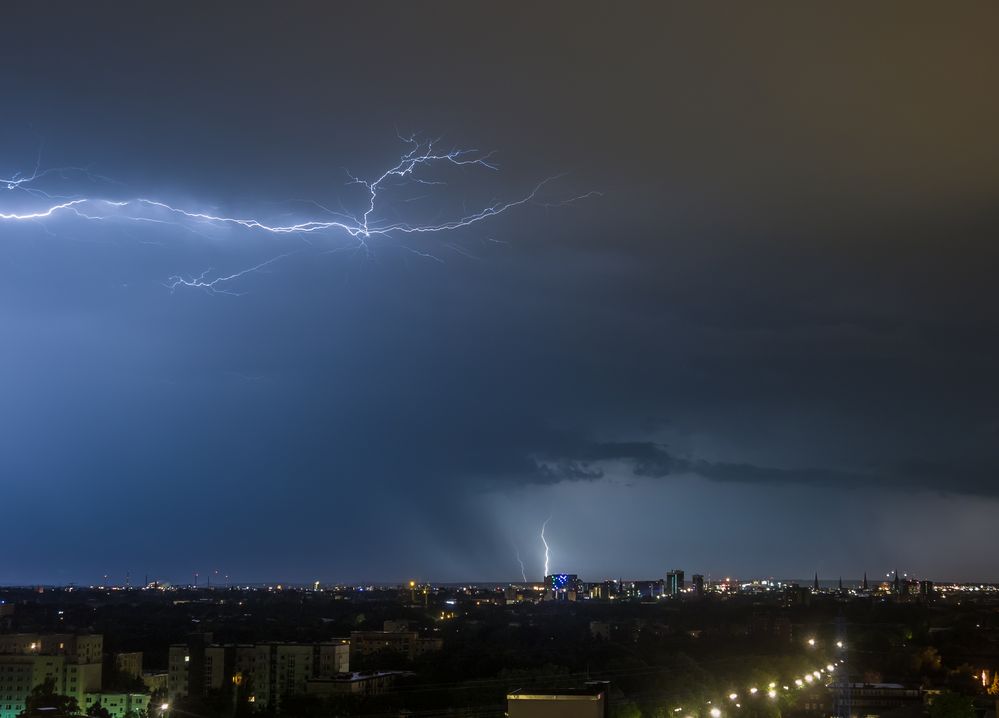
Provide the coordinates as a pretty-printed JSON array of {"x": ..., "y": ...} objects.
[{"x": 769, "y": 345}]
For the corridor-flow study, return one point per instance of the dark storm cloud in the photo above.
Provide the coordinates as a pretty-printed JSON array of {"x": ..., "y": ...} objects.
[
  {"x": 787, "y": 284},
  {"x": 651, "y": 460}
]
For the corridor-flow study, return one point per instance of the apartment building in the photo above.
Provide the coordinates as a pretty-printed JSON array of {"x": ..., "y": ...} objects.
[{"x": 73, "y": 663}]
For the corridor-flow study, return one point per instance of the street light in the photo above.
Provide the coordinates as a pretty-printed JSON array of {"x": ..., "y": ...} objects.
[{"x": 164, "y": 707}]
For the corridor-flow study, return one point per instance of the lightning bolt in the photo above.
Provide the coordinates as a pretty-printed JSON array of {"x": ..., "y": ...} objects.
[
  {"x": 212, "y": 285},
  {"x": 26, "y": 182},
  {"x": 545, "y": 542},
  {"x": 370, "y": 223},
  {"x": 523, "y": 570}
]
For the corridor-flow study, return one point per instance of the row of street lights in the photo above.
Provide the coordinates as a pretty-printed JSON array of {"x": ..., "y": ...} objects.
[{"x": 807, "y": 680}]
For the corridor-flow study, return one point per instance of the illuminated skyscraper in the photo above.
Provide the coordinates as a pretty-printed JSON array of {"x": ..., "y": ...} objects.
[
  {"x": 562, "y": 587},
  {"x": 674, "y": 582}
]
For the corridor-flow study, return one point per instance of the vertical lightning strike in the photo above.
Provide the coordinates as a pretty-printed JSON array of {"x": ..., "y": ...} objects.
[
  {"x": 523, "y": 570},
  {"x": 545, "y": 542}
]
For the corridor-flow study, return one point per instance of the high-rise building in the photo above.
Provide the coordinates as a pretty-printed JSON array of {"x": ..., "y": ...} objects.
[
  {"x": 178, "y": 670},
  {"x": 286, "y": 668},
  {"x": 697, "y": 580},
  {"x": 281, "y": 669},
  {"x": 674, "y": 582},
  {"x": 562, "y": 587}
]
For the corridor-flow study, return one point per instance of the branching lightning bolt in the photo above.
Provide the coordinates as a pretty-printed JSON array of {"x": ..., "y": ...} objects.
[
  {"x": 362, "y": 227},
  {"x": 26, "y": 182},
  {"x": 212, "y": 285},
  {"x": 545, "y": 542}
]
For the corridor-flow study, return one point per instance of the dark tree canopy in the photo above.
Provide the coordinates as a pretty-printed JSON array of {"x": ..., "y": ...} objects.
[{"x": 43, "y": 700}]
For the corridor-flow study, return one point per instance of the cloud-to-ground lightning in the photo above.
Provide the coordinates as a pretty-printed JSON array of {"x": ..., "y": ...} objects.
[
  {"x": 545, "y": 542},
  {"x": 523, "y": 569},
  {"x": 368, "y": 223}
]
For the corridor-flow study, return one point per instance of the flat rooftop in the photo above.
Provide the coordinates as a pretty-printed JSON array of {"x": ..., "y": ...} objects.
[{"x": 556, "y": 694}]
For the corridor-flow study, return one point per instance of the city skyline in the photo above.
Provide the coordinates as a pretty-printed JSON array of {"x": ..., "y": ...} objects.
[{"x": 221, "y": 581}]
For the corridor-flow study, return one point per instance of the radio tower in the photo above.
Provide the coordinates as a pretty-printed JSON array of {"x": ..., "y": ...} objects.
[{"x": 841, "y": 705}]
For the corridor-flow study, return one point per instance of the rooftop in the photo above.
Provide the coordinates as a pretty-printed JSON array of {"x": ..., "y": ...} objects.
[{"x": 557, "y": 694}]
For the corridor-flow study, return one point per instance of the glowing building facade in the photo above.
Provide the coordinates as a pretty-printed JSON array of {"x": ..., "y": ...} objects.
[
  {"x": 562, "y": 587},
  {"x": 73, "y": 663}
]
